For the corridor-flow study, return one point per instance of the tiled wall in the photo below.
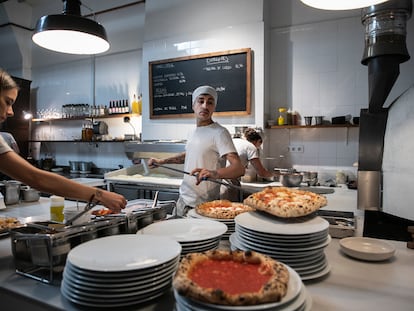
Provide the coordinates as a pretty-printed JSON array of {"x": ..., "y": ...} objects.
[{"x": 312, "y": 68}]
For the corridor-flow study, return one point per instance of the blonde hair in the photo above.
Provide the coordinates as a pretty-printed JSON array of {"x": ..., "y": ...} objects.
[{"x": 6, "y": 81}]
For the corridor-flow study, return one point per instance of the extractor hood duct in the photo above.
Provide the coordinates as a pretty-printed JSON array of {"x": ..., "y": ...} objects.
[
  {"x": 385, "y": 50},
  {"x": 385, "y": 47}
]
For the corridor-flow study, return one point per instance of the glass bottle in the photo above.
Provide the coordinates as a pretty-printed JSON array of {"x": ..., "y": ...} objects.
[
  {"x": 140, "y": 104},
  {"x": 281, "y": 120},
  {"x": 134, "y": 104}
]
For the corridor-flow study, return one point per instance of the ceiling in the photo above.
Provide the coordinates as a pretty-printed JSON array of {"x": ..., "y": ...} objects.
[{"x": 121, "y": 18}]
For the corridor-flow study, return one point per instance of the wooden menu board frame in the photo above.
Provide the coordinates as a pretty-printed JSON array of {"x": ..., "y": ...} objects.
[{"x": 172, "y": 81}]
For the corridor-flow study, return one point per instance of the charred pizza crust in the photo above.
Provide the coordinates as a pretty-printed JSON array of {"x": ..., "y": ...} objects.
[
  {"x": 222, "y": 209},
  {"x": 286, "y": 202},
  {"x": 273, "y": 289}
]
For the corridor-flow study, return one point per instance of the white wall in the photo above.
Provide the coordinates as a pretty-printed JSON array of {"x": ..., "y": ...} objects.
[
  {"x": 398, "y": 168},
  {"x": 202, "y": 27}
]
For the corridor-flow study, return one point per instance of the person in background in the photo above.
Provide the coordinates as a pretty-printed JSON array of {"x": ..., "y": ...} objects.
[
  {"x": 248, "y": 150},
  {"x": 208, "y": 148},
  {"x": 13, "y": 165}
]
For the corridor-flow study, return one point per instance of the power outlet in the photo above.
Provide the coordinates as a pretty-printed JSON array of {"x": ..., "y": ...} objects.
[{"x": 296, "y": 148}]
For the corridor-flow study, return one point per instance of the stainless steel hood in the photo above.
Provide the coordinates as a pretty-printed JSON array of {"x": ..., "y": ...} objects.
[{"x": 385, "y": 49}]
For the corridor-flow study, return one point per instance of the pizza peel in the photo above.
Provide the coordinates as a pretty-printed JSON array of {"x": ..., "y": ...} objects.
[{"x": 205, "y": 178}]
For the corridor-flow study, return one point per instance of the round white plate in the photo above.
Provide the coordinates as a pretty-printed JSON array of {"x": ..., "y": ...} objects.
[
  {"x": 284, "y": 239},
  {"x": 367, "y": 248},
  {"x": 273, "y": 225},
  {"x": 274, "y": 245},
  {"x": 100, "y": 283},
  {"x": 124, "y": 252},
  {"x": 186, "y": 229}
]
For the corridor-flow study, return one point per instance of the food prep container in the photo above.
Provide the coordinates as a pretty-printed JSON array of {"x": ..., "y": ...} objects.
[
  {"x": 291, "y": 179},
  {"x": 107, "y": 226},
  {"x": 40, "y": 251},
  {"x": 11, "y": 191},
  {"x": 28, "y": 194}
]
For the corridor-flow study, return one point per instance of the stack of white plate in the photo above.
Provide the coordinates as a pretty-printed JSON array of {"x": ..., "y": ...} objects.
[
  {"x": 297, "y": 242},
  {"x": 297, "y": 298},
  {"x": 120, "y": 270},
  {"x": 228, "y": 222},
  {"x": 194, "y": 235}
]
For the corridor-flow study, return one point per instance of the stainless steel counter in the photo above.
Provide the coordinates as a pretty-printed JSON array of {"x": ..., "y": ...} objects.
[{"x": 350, "y": 285}]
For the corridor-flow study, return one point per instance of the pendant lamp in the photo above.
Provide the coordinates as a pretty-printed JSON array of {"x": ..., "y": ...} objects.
[
  {"x": 341, "y": 4},
  {"x": 70, "y": 33}
]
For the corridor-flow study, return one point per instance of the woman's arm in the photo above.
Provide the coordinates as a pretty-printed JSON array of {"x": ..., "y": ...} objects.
[
  {"x": 260, "y": 169},
  {"x": 16, "y": 167}
]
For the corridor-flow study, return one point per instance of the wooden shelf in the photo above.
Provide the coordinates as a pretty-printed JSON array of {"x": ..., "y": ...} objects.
[
  {"x": 313, "y": 126},
  {"x": 120, "y": 115},
  {"x": 80, "y": 141}
]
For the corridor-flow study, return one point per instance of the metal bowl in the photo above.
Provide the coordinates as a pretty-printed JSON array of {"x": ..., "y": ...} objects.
[{"x": 291, "y": 180}]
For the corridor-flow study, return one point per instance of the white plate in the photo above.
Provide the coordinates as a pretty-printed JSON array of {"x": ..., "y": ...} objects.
[
  {"x": 124, "y": 252},
  {"x": 367, "y": 248},
  {"x": 186, "y": 229},
  {"x": 290, "y": 226},
  {"x": 283, "y": 239}
]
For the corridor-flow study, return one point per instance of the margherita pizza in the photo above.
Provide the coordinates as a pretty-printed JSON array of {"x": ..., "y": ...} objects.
[
  {"x": 222, "y": 209},
  {"x": 286, "y": 202},
  {"x": 237, "y": 278}
]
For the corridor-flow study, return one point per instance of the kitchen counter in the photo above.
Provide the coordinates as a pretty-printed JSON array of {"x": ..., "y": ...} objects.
[{"x": 350, "y": 285}]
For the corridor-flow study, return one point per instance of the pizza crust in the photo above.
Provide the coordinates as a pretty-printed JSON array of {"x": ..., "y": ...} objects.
[
  {"x": 286, "y": 202},
  {"x": 271, "y": 291},
  {"x": 222, "y": 209}
]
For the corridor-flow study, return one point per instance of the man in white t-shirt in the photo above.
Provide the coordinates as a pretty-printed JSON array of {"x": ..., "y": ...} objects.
[{"x": 209, "y": 146}]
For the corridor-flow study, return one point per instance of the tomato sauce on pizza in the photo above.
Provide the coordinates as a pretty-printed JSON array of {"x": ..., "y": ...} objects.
[
  {"x": 237, "y": 278},
  {"x": 230, "y": 276}
]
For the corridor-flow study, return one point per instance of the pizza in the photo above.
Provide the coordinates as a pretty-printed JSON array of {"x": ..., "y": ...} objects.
[
  {"x": 236, "y": 278},
  {"x": 286, "y": 202},
  {"x": 222, "y": 209},
  {"x": 7, "y": 223}
]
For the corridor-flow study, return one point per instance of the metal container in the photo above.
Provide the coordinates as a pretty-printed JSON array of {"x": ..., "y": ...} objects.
[
  {"x": 40, "y": 251},
  {"x": 11, "y": 191},
  {"x": 28, "y": 194},
  {"x": 139, "y": 219},
  {"x": 107, "y": 226},
  {"x": 291, "y": 179}
]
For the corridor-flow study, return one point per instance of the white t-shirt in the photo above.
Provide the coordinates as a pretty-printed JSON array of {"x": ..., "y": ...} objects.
[
  {"x": 246, "y": 150},
  {"x": 4, "y": 147},
  {"x": 205, "y": 148}
]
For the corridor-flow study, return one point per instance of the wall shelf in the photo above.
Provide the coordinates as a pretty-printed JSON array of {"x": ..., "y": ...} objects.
[
  {"x": 119, "y": 115},
  {"x": 80, "y": 141},
  {"x": 313, "y": 126}
]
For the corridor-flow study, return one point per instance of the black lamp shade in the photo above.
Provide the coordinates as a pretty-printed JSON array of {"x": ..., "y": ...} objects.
[{"x": 70, "y": 34}]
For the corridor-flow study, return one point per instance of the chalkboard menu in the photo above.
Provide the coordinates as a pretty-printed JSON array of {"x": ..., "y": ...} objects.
[{"x": 172, "y": 82}]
